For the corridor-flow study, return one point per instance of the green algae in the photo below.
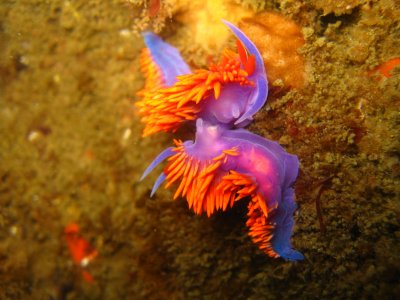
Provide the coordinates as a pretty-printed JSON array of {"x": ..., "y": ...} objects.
[{"x": 71, "y": 151}]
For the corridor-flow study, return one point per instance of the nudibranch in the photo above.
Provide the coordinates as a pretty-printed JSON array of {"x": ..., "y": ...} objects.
[
  {"x": 225, "y": 165},
  {"x": 229, "y": 92}
]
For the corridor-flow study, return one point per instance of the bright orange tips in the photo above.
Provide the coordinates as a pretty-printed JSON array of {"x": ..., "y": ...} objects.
[
  {"x": 199, "y": 180},
  {"x": 260, "y": 230},
  {"x": 235, "y": 186},
  {"x": 208, "y": 188},
  {"x": 164, "y": 109},
  {"x": 152, "y": 73},
  {"x": 248, "y": 62}
]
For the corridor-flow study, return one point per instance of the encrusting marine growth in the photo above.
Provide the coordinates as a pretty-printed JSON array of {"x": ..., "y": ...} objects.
[{"x": 225, "y": 163}]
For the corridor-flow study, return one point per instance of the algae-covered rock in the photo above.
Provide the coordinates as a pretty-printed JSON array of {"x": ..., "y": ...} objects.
[
  {"x": 71, "y": 151},
  {"x": 337, "y": 7}
]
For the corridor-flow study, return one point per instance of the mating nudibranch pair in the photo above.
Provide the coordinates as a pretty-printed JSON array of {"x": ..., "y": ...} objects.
[{"x": 225, "y": 163}]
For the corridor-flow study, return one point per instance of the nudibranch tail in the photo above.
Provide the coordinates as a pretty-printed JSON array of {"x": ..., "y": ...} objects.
[{"x": 283, "y": 218}]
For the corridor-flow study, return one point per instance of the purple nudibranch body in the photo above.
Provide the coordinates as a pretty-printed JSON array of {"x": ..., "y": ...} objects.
[{"x": 225, "y": 163}]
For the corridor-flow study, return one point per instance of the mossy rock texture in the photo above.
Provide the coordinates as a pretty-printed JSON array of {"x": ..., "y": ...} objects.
[{"x": 71, "y": 151}]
